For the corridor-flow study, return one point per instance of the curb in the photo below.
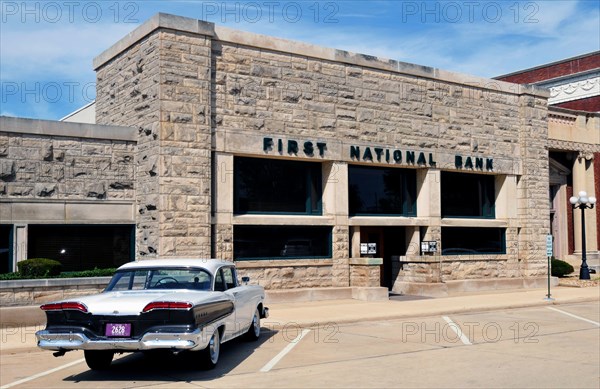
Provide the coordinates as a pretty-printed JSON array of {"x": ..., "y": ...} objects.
[{"x": 274, "y": 325}]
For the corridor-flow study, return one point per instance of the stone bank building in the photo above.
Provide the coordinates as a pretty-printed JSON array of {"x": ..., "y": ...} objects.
[{"x": 308, "y": 166}]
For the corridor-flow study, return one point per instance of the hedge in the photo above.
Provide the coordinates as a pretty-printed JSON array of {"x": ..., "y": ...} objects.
[
  {"x": 73, "y": 274},
  {"x": 561, "y": 268},
  {"x": 39, "y": 267}
]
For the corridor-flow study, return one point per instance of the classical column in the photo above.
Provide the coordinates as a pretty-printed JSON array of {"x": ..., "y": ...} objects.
[
  {"x": 583, "y": 180},
  {"x": 590, "y": 217}
]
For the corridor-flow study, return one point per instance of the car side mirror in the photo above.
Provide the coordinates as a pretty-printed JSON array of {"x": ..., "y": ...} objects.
[{"x": 245, "y": 280}]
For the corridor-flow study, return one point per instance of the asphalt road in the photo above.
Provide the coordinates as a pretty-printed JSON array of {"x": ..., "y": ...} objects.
[{"x": 542, "y": 347}]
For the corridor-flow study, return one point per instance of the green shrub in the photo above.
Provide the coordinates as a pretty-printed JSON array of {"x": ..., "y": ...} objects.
[
  {"x": 73, "y": 274},
  {"x": 561, "y": 268},
  {"x": 39, "y": 267},
  {"x": 11, "y": 276},
  {"x": 89, "y": 273}
]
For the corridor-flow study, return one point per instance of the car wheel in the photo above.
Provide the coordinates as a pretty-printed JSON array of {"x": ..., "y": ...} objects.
[
  {"x": 98, "y": 359},
  {"x": 254, "y": 330},
  {"x": 210, "y": 355}
]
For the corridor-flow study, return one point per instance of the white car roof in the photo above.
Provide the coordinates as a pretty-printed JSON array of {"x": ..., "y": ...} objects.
[{"x": 212, "y": 265}]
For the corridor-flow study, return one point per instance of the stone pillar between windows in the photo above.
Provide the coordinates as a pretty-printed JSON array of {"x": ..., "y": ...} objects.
[
  {"x": 335, "y": 203},
  {"x": 19, "y": 244},
  {"x": 223, "y": 206},
  {"x": 429, "y": 193}
]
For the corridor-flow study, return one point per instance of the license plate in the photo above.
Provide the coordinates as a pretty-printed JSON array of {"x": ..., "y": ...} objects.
[{"x": 118, "y": 330}]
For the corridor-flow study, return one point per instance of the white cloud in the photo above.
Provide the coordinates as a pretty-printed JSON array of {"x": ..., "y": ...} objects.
[
  {"x": 481, "y": 48},
  {"x": 541, "y": 32},
  {"x": 56, "y": 51}
]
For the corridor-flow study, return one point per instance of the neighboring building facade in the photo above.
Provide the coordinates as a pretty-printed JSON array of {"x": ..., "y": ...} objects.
[
  {"x": 574, "y": 148},
  {"x": 291, "y": 159},
  {"x": 67, "y": 193}
]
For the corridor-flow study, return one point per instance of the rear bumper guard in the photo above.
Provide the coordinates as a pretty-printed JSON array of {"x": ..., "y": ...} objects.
[{"x": 198, "y": 339}]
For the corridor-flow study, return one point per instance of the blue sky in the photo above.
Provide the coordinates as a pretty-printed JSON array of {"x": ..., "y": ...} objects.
[{"x": 47, "y": 47}]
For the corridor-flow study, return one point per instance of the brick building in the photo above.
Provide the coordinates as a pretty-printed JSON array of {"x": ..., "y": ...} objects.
[
  {"x": 308, "y": 166},
  {"x": 574, "y": 147}
]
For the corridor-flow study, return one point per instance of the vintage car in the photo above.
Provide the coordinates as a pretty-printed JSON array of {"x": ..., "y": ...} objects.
[{"x": 169, "y": 304}]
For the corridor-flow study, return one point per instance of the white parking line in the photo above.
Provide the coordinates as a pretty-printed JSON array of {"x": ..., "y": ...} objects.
[
  {"x": 575, "y": 316},
  {"x": 456, "y": 328},
  {"x": 283, "y": 352},
  {"x": 33, "y": 377}
]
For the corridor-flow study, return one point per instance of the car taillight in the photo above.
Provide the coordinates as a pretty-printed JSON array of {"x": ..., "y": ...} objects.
[
  {"x": 70, "y": 305},
  {"x": 166, "y": 305},
  {"x": 51, "y": 307}
]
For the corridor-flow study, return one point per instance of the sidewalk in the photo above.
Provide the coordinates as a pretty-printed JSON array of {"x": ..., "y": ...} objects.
[
  {"x": 351, "y": 311},
  {"x": 16, "y": 339}
]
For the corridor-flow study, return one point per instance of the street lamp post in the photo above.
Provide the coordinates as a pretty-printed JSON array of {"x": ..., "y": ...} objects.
[{"x": 583, "y": 202}]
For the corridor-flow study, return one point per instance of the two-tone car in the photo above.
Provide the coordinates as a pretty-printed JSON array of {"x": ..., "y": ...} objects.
[{"x": 169, "y": 304}]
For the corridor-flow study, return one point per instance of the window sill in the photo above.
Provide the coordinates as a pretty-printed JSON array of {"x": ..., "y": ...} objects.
[
  {"x": 467, "y": 222},
  {"x": 281, "y": 220},
  {"x": 264, "y": 263}
]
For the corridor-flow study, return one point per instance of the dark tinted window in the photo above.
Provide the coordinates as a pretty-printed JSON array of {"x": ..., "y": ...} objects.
[
  {"x": 229, "y": 277},
  {"x": 5, "y": 248},
  {"x": 276, "y": 186},
  {"x": 473, "y": 240},
  {"x": 219, "y": 284},
  {"x": 381, "y": 191},
  {"x": 281, "y": 242},
  {"x": 81, "y": 247},
  {"x": 468, "y": 195}
]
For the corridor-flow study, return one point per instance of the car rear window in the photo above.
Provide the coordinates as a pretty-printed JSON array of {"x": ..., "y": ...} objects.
[{"x": 160, "y": 278}]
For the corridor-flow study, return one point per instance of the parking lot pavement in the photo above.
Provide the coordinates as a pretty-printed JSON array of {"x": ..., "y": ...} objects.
[{"x": 529, "y": 347}]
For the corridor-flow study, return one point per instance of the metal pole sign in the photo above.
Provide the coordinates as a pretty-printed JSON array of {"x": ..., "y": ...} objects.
[{"x": 549, "y": 255}]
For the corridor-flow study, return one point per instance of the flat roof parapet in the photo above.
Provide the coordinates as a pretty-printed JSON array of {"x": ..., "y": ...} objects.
[
  {"x": 67, "y": 129},
  {"x": 184, "y": 24}
]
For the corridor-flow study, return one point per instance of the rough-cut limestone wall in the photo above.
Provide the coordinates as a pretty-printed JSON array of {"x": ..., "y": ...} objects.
[
  {"x": 64, "y": 168},
  {"x": 223, "y": 241},
  {"x": 264, "y": 92},
  {"x": 289, "y": 277},
  {"x": 161, "y": 85},
  {"x": 532, "y": 188},
  {"x": 365, "y": 276},
  {"x": 178, "y": 88}
]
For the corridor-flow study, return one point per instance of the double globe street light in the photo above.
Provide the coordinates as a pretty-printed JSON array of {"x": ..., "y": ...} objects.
[{"x": 583, "y": 202}]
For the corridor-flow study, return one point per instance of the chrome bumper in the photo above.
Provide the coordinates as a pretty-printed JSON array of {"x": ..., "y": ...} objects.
[{"x": 78, "y": 341}]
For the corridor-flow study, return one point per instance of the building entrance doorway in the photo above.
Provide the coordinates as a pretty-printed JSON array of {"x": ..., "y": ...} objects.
[{"x": 391, "y": 243}]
